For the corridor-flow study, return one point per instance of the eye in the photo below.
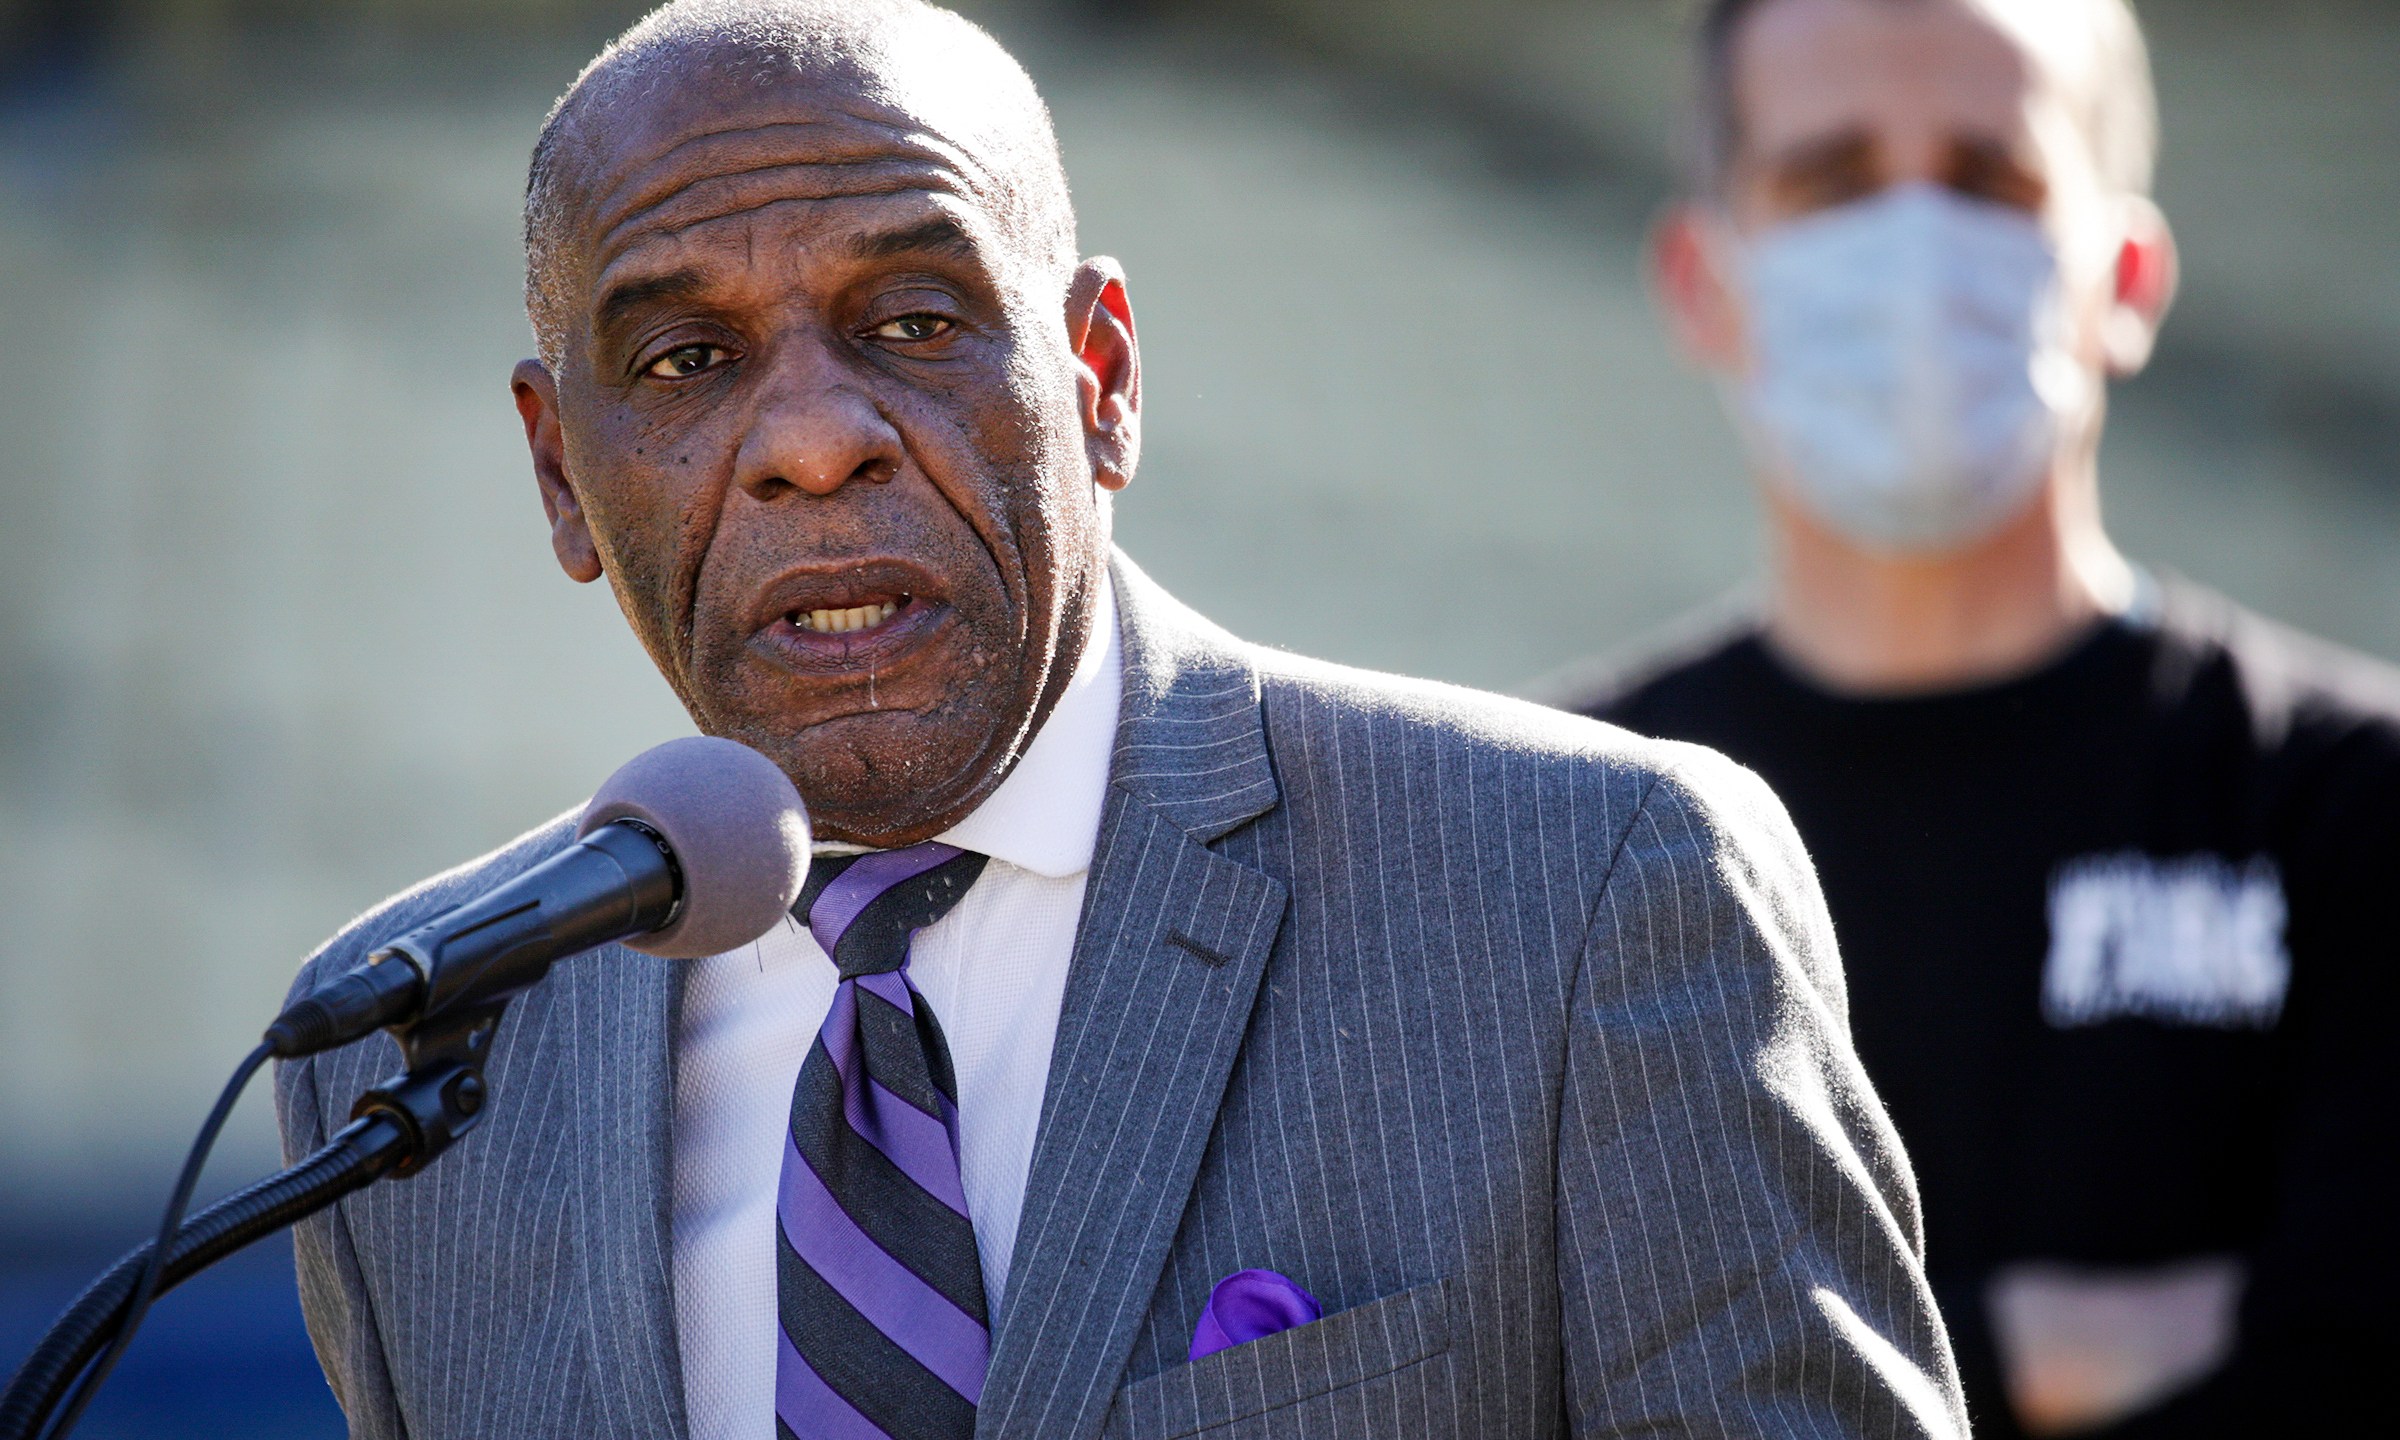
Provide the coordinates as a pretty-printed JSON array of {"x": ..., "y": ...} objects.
[
  {"x": 1988, "y": 170},
  {"x": 686, "y": 360},
  {"x": 914, "y": 329}
]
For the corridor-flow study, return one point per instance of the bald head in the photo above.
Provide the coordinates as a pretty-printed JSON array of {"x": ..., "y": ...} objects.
[{"x": 919, "y": 71}]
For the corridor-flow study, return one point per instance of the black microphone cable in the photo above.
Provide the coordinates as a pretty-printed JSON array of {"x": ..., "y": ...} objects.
[{"x": 168, "y": 1224}]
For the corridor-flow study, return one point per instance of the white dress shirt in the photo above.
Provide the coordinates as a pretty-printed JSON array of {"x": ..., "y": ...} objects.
[{"x": 994, "y": 970}]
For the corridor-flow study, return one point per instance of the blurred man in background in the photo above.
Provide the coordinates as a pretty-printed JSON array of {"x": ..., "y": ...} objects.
[{"x": 2109, "y": 857}]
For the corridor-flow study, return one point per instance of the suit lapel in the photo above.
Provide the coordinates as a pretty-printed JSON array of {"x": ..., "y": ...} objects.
[{"x": 1167, "y": 963}]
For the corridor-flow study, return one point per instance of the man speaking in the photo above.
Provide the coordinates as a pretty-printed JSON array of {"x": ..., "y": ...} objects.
[{"x": 1174, "y": 1038}]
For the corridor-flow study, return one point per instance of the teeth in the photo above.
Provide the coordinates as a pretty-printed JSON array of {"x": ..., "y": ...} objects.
[{"x": 842, "y": 622}]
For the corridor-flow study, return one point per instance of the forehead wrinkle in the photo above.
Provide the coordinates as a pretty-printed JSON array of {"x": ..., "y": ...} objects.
[
  {"x": 862, "y": 244},
  {"x": 635, "y": 170},
  {"x": 731, "y": 194},
  {"x": 897, "y": 137}
]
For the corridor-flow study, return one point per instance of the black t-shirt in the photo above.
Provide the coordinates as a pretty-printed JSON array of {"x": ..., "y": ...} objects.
[{"x": 2121, "y": 955}]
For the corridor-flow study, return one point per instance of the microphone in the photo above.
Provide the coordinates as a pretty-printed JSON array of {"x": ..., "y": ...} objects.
[{"x": 693, "y": 848}]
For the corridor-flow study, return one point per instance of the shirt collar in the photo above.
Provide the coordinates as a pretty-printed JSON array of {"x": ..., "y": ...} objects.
[{"x": 1045, "y": 817}]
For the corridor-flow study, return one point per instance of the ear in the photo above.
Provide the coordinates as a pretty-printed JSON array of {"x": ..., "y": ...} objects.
[
  {"x": 1689, "y": 270},
  {"x": 2147, "y": 272},
  {"x": 536, "y": 392},
  {"x": 1108, "y": 379}
]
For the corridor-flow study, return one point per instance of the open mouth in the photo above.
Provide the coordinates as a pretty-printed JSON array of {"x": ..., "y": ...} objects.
[
  {"x": 874, "y": 629},
  {"x": 849, "y": 619},
  {"x": 865, "y": 616}
]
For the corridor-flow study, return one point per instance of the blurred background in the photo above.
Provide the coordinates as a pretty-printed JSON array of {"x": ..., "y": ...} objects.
[{"x": 280, "y": 633}]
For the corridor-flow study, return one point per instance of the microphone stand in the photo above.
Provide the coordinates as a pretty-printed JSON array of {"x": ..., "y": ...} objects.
[{"x": 397, "y": 1129}]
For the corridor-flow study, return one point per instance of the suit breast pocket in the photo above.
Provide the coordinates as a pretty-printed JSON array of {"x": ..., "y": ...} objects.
[{"x": 1361, "y": 1373}]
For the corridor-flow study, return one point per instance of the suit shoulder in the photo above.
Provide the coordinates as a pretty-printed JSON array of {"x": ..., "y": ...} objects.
[
  {"x": 1721, "y": 796},
  {"x": 1583, "y": 804},
  {"x": 419, "y": 903}
]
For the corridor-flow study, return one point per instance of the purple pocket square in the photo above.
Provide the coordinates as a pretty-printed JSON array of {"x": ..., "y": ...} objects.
[{"x": 1251, "y": 1305}]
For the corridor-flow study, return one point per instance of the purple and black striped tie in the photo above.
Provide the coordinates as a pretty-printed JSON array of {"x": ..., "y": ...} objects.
[{"x": 881, "y": 1303}]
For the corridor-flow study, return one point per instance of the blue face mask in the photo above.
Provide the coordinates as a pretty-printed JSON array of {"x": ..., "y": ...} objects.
[{"x": 1910, "y": 373}]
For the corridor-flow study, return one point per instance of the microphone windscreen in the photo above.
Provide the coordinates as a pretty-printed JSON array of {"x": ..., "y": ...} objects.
[{"x": 738, "y": 830}]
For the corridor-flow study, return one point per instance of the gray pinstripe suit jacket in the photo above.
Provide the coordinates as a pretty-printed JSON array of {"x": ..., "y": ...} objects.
[{"x": 1517, "y": 1040}]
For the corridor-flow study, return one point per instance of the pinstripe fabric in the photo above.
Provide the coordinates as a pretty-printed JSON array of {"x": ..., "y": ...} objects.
[
  {"x": 1518, "y": 1041},
  {"x": 520, "y": 1286}
]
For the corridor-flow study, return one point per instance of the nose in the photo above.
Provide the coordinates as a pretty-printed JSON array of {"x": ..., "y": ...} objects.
[{"x": 815, "y": 429}]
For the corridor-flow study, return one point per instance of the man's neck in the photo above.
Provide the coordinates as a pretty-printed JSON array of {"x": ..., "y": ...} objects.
[{"x": 1865, "y": 622}]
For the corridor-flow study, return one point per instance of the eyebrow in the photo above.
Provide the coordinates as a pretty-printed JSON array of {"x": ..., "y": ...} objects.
[
  {"x": 1840, "y": 150},
  {"x": 1989, "y": 166},
  {"x": 631, "y": 295},
  {"x": 935, "y": 236}
]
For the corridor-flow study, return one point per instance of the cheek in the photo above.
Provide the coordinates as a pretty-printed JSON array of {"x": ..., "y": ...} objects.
[
  {"x": 1005, "y": 419},
  {"x": 1046, "y": 448},
  {"x": 1008, "y": 451},
  {"x": 648, "y": 498}
]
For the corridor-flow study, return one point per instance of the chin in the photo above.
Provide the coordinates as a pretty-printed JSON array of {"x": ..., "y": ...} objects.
[{"x": 882, "y": 777}]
